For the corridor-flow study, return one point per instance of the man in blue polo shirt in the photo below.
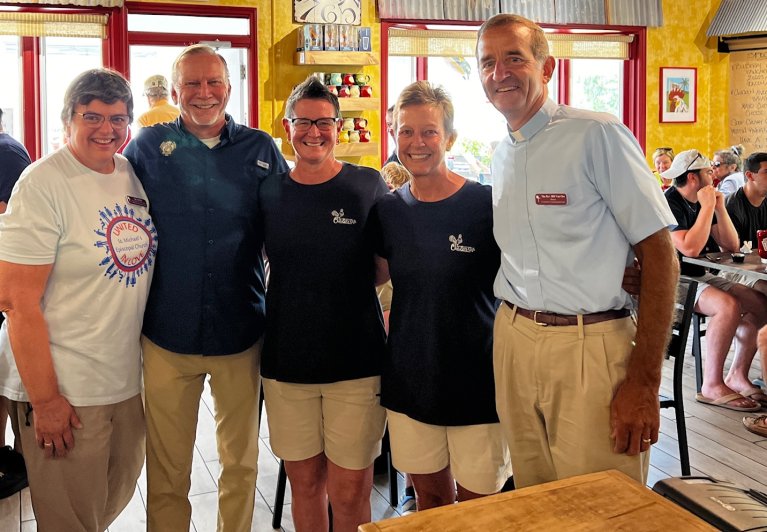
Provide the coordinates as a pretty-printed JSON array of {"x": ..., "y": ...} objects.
[{"x": 205, "y": 314}]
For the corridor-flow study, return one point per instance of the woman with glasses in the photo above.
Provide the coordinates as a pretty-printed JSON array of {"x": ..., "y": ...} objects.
[
  {"x": 324, "y": 331},
  {"x": 728, "y": 170},
  {"x": 77, "y": 248},
  {"x": 662, "y": 159},
  {"x": 436, "y": 232}
]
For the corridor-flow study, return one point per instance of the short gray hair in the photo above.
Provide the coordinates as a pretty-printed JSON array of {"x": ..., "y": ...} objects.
[
  {"x": 538, "y": 43},
  {"x": 196, "y": 49},
  {"x": 311, "y": 89},
  {"x": 101, "y": 84}
]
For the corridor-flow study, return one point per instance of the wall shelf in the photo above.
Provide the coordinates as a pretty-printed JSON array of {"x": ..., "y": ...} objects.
[
  {"x": 323, "y": 57},
  {"x": 342, "y": 151},
  {"x": 359, "y": 104}
]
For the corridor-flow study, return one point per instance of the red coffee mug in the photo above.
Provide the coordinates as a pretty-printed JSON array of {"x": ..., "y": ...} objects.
[{"x": 761, "y": 238}]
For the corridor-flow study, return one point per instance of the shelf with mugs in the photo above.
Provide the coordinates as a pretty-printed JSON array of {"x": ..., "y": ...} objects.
[
  {"x": 342, "y": 150},
  {"x": 332, "y": 57},
  {"x": 359, "y": 104}
]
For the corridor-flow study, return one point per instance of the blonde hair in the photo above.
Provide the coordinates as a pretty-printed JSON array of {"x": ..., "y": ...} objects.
[
  {"x": 426, "y": 93},
  {"x": 395, "y": 175}
]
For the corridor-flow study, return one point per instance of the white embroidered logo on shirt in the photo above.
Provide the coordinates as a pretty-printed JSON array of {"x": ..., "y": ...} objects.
[
  {"x": 338, "y": 218},
  {"x": 456, "y": 244}
]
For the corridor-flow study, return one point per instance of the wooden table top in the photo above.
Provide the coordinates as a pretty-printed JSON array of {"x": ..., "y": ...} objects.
[
  {"x": 752, "y": 266},
  {"x": 608, "y": 500}
]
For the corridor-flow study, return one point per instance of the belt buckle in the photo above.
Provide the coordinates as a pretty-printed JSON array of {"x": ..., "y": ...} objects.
[{"x": 535, "y": 319}]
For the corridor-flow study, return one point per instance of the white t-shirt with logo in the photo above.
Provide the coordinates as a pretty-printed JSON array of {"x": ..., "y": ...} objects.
[{"x": 96, "y": 231}]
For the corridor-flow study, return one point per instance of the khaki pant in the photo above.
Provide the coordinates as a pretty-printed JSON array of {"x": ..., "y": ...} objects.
[
  {"x": 173, "y": 385},
  {"x": 553, "y": 389},
  {"x": 86, "y": 490}
]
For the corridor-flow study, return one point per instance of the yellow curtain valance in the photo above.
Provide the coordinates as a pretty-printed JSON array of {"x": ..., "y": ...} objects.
[
  {"x": 53, "y": 25},
  {"x": 456, "y": 43}
]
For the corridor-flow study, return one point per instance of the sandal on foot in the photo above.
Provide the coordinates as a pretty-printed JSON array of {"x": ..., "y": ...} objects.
[
  {"x": 756, "y": 424},
  {"x": 725, "y": 400},
  {"x": 756, "y": 394}
]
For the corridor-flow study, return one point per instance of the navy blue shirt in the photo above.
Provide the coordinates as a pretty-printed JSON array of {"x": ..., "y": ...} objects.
[
  {"x": 207, "y": 294},
  {"x": 324, "y": 322},
  {"x": 686, "y": 215},
  {"x": 443, "y": 261},
  {"x": 13, "y": 160}
]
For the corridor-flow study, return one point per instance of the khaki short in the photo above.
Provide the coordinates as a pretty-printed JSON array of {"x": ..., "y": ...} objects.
[
  {"x": 477, "y": 454},
  {"x": 343, "y": 419}
]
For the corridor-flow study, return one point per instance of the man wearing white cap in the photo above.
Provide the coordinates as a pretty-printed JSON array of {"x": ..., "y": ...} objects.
[
  {"x": 736, "y": 310},
  {"x": 160, "y": 110}
]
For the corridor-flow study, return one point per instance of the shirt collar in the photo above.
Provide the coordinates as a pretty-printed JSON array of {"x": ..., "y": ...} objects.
[
  {"x": 539, "y": 120},
  {"x": 227, "y": 133}
]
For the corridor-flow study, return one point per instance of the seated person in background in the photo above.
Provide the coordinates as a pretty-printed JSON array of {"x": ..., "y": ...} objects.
[
  {"x": 748, "y": 210},
  {"x": 736, "y": 311},
  {"x": 662, "y": 159},
  {"x": 728, "y": 166},
  {"x": 758, "y": 424}
]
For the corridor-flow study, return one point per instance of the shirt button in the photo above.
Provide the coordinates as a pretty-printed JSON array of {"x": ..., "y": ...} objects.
[
  {"x": 210, "y": 211},
  {"x": 210, "y": 241},
  {"x": 210, "y": 275}
]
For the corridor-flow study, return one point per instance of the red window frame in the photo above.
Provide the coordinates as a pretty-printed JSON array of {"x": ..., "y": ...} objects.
[
  {"x": 115, "y": 53},
  {"x": 634, "y": 71},
  {"x": 183, "y": 39}
]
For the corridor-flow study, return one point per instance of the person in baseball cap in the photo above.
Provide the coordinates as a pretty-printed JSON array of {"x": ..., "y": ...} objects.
[
  {"x": 160, "y": 110},
  {"x": 704, "y": 226},
  {"x": 686, "y": 161}
]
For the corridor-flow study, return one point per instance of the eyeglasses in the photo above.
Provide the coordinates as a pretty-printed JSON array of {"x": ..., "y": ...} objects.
[
  {"x": 95, "y": 120},
  {"x": 304, "y": 124},
  {"x": 693, "y": 162}
]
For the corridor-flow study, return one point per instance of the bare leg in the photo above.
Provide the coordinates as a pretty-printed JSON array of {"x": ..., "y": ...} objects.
[
  {"x": 466, "y": 495},
  {"x": 434, "y": 489},
  {"x": 724, "y": 311},
  {"x": 753, "y": 305},
  {"x": 349, "y": 492},
  {"x": 308, "y": 479}
]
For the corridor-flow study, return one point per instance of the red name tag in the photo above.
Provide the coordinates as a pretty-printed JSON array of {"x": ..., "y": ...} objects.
[{"x": 551, "y": 199}]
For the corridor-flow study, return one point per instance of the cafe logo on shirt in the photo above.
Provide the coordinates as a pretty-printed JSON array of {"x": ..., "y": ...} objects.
[
  {"x": 129, "y": 240},
  {"x": 338, "y": 218},
  {"x": 455, "y": 244}
]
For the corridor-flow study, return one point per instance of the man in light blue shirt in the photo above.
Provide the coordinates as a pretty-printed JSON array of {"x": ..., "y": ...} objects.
[{"x": 573, "y": 203}]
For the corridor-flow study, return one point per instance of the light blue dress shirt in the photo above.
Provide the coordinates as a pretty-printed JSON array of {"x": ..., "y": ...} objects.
[{"x": 572, "y": 193}]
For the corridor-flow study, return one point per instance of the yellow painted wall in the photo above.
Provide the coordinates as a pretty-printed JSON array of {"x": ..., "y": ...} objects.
[
  {"x": 681, "y": 42},
  {"x": 277, "y": 75}
]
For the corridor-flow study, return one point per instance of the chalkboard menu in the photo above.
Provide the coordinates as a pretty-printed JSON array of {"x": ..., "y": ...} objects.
[{"x": 748, "y": 100}]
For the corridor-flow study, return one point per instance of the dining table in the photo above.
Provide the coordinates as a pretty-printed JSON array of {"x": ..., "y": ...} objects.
[
  {"x": 751, "y": 267},
  {"x": 607, "y": 500}
]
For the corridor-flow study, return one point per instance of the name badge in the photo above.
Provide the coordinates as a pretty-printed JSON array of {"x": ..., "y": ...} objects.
[
  {"x": 136, "y": 201},
  {"x": 551, "y": 199},
  {"x": 262, "y": 164}
]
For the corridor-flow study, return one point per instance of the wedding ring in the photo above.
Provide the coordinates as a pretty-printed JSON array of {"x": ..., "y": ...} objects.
[
  {"x": 646, "y": 441},
  {"x": 48, "y": 444}
]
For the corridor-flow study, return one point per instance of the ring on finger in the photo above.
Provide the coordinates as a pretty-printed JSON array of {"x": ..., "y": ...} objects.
[
  {"x": 646, "y": 441},
  {"x": 48, "y": 444}
]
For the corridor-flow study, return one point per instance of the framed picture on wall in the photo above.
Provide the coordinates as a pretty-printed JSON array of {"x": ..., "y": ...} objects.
[
  {"x": 678, "y": 94},
  {"x": 327, "y": 11}
]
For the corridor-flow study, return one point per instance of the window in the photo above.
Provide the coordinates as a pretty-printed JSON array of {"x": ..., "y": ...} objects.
[
  {"x": 154, "y": 42},
  {"x": 10, "y": 89},
  {"x": 598, "y": 70},
  {"x": 62, "y": 59}
]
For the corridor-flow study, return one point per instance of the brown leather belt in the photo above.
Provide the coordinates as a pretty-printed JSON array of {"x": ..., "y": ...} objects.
[{"x": 549, "y": 318}]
